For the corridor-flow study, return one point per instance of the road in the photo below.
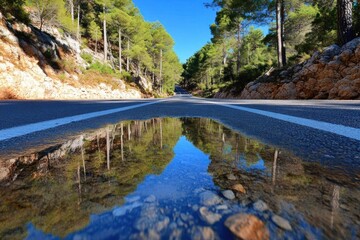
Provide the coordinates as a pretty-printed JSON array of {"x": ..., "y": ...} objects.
[{"x": 327, "y": 132}]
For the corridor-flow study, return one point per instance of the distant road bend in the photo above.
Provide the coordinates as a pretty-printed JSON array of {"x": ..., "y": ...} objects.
[{"x": 319, "y": 130}]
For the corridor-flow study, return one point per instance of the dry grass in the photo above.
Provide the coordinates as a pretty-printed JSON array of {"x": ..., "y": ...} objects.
[
  {"x": 94, "y": 78},
  {"x": 7, "y": 94}
]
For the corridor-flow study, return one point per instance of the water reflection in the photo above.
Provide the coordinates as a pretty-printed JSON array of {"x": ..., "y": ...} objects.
[{"x": 148, "y": 179}]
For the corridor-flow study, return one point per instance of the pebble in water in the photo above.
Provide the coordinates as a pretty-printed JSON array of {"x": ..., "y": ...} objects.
[
  {"x": 281, "y": 222},
  {"x": 202, "y": 233},
  {"x": 260, "y": 206},
  {"x": 247, "y": 227},
  {"x": 231, "y": 177},
  {"x": 228, "y": 194},
  {"x": 238, "y": 188},
  {"x": 208, "y": 216},
  {"x": 209, "y": 198}
]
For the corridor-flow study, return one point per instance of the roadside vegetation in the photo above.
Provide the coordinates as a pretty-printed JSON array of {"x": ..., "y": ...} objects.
[
  {"x": 240, "y": 51},
  {"x": 123, "y": 45}
]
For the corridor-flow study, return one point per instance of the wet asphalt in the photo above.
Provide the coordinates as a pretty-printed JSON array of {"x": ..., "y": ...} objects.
[{"x": 333, "y": 151}]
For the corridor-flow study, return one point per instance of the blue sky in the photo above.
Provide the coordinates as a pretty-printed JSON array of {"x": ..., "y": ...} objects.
[{"x": 187, "y": 21}]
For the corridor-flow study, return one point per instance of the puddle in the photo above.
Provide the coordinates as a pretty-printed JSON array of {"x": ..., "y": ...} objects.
[{"x": 165, "y": 178}]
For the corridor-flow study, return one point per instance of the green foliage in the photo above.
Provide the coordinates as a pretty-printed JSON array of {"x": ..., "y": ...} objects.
[
  {"x": 323, "y": 32},
  {"x": 101, "y": 68},
  {"x": 52, "y": 13},
  {"x": 126, "y": 76},
  {"x": 14, "y": 8},
  {"x": 87, "y": 57}
]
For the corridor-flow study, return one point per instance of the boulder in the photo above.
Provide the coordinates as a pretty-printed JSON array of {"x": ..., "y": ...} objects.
[{"x": 352, "y": 45}]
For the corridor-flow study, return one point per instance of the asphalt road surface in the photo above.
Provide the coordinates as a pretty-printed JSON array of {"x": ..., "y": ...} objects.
[{"x": 327, "y": 132}]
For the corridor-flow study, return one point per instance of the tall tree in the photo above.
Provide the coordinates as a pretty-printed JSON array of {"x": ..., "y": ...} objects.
[
  {"x": 345, "y": 21},
  {"x": 279, "y": 32},
  {"x": 106, "y": 5},
  {"x": 119, "y": 21},
  {"x": 95, "y": 33}
]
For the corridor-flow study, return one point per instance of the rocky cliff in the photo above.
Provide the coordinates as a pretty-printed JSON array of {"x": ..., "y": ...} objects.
[
  {"x": 332, "y": 74},
  {"x": 39, "y": 65}
]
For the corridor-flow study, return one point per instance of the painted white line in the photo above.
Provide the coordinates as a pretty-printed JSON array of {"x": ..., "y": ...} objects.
[
  {"x": 9, "y": 133},
  {"x": 350, "y": 132}
]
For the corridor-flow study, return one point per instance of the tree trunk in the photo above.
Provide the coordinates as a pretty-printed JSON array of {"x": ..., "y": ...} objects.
[
  {"x": 105, "y": 38},
  {"x": 78, "y": 25},
  {"x": 238, "y": 60},
  {"x": 120, "y": 51},
  {"x": 71, "y": 3},
  {"x": 279, "y": 33},
  {"x": 283, "y": 47},
  {"x": 160, "y": 76},
  {"x": 127, "y": 57},
  {"x": 345, "y": 23}
]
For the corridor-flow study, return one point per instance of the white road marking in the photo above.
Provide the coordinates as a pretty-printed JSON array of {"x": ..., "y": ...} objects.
[
  {"x": 350, "y": 132},
  {"x": 9, "y": 133}
]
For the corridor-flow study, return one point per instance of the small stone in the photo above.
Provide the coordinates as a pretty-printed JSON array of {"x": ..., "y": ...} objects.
[
  {"x": 209, "y": 198},
  {"x": 231, "y": 177},
  {"x": 222, "y": 207},
  {"x": 162, "y": 224},
  {"x": 228, "y": 194},
  {"x": 247, "y": 227},
  {"x": 281, "y": 222},
  {"x": 238, "y": 188},
  {"x": 208, "y": 216},
  {"x": 202, "y": 233},
  {"x": 195, "y": 207},
  {"x": 150, "y": 199},
  {"x": 261, "y": 206}
]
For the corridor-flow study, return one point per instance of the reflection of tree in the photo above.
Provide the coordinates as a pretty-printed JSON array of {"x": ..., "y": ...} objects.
[
  {"x": 274, "y": 167},
  {"x": 48, "y": 201},
  {"x": 304, "y": 185},
  {"x": 334, "y": 203}
]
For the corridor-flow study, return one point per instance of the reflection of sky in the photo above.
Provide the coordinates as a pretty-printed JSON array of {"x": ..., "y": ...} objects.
[
  {"x": 176, "y": 184},
  {"x": 259, "y": 165}
]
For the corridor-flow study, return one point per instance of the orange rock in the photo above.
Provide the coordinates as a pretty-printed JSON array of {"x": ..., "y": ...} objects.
[
  {"x": 238, "y": 188},
  {"x": 247, "y": 227}
]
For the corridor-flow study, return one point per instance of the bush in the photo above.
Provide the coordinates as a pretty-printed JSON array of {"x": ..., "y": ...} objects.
[
  {"x": 69, "y": 65},
  {"x": 126, "y": 76},
  {"x": 101, "y": 68},
  {"x": 87, "y": 57}
]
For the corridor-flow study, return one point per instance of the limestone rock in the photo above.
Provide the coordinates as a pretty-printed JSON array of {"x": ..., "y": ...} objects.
[
  {"x": 320, "y": 77},
  {"x": 247, "y": 227}
]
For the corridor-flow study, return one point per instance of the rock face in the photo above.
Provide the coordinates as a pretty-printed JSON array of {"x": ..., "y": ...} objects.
[
  {"x": 29, "y": 62},
  {"x": 332, "y": 74},
  {"x": 247, "y": 227}
]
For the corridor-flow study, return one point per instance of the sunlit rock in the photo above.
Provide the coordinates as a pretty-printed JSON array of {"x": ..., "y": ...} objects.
[{"x": 247, "y": 227}]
